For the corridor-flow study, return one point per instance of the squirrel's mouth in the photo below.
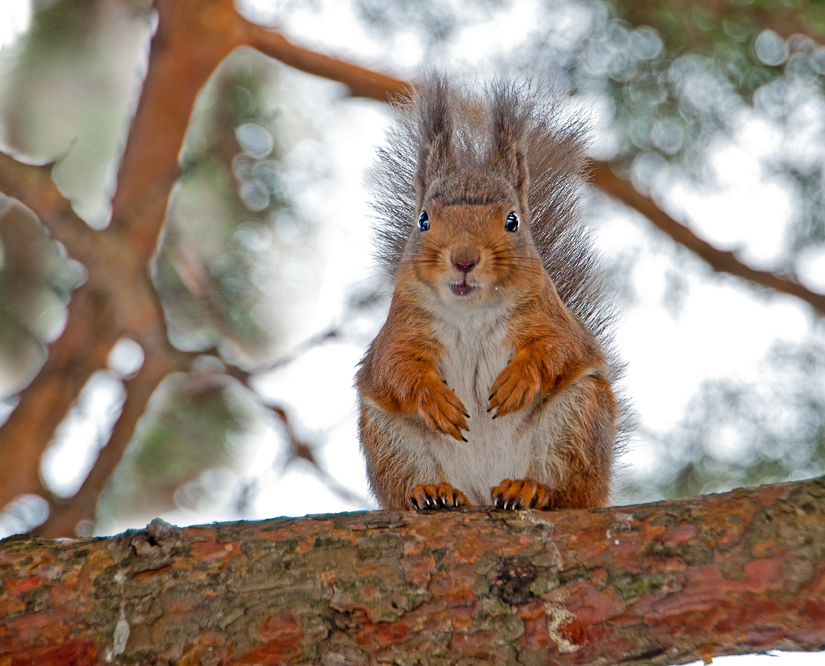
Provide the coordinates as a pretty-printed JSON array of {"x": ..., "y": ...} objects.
[{"x": 462, "y": 289}]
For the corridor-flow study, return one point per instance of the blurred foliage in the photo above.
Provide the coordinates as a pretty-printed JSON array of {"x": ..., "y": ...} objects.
[
  {"x": 672, "y": 81},
  {"x": 185, "y": 453},
  {"x": 68, "y": 89},
  {"x": 231, "y": 216},
  {"x": 36, "y": 279},
  {"x": 738, "y": 434}
]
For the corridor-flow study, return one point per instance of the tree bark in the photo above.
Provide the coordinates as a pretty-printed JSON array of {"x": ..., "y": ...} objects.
[{"x": 662, "y": 583}]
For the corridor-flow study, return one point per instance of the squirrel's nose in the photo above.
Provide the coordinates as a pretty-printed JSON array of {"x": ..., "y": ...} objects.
[{"x": 465, "y": 259}]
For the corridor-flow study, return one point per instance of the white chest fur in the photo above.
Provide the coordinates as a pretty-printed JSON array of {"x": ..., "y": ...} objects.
[{"x": 475, "y": 352}]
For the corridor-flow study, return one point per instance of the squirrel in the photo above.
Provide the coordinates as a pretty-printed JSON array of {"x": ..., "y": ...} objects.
[{"x": 491, "y": 380}]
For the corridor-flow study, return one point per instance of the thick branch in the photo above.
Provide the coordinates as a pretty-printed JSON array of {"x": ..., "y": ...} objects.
[
  {"x": 117, "y": 299},
  {"x": 80, "y": 351},
  {"x": 663, "y": 583},
  {"x": 33, "y": 186},
  {"x": 720, "y": 260},
  {"x": 158, "y": 363},
  {"x": 191, "y": 40},
  {"x": 361, "y": 82}
]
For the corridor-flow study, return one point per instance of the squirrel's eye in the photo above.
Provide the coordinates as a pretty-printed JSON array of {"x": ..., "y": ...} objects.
[
  {"x": 512, "y": 223},
  {"x": 423, "y": 221}
]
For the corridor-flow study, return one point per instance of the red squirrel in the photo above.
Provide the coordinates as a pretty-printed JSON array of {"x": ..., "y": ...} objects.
[{"x": 489, "y": 382}]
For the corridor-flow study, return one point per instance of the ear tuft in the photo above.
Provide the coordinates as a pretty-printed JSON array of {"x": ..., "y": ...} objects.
[
  {"x": 436, "y": 127},
  {"x": 509, "y": 120}
]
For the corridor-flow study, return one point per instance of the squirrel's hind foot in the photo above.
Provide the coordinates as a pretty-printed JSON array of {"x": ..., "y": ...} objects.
[
  {"x": 436, "y": 496},
  {"x": 522, "y": 494}
]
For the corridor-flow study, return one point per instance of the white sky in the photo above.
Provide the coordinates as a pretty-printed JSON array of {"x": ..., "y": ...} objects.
[{"x": 15, "y": 16}]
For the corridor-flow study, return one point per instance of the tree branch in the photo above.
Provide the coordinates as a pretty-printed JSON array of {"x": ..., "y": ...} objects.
[
  {"x": 361, "y": 82},
  {"x": 158, "y": 363},
  {"x": 300, "y": 449},
  {"x": 657, "y": 584},
  {"x": 191, "y": 40},
  {"x": 81, "y": 350},
  {"x": 33, "y": 186},
  {"x": 719, "y": 260},
  {"x": 117, "y": 299}
]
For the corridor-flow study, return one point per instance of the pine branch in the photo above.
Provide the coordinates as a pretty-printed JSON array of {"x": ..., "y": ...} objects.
[
  {"x": 721, "y": 261},
  {"x": 33, "y": 186},
  {"x": 361, "y": 82},
  {"x": 159, "y": 361},
  {"x": 657, "y": 584},
  {"x": 118, "y": 297},
  {"x": 192, "y": 39},
  {"x": 80, "y": 351}
]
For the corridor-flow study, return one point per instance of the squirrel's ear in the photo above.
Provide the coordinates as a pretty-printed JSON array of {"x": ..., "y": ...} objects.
[
  {"x": 508, "y": 155},
  {"x": 435, "y": 123}
]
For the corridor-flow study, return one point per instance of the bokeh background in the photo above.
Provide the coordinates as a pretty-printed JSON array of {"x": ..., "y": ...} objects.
[{"x": 712, "y": 109}]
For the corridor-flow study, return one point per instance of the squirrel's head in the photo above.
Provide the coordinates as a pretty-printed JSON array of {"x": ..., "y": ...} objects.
[{"x": 470, "y": 242}]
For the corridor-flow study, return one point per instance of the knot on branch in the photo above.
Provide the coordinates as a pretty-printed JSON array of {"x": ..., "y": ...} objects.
[{"x": 511, "y": 581}]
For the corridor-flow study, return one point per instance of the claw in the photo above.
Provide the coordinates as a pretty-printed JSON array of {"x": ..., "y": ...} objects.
[
  {"x": 522, "y": 494},
  {"x": 436, "y": 496}
]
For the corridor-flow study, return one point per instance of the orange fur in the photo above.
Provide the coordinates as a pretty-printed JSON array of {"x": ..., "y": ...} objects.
[{"x": 474, "y": 301}]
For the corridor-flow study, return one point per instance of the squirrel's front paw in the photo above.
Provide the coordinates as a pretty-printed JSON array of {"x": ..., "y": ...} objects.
[
  {"x": 436, "y": 496},
  {"x": 442, "y": 410},
  {"x": 522, "y": 494},
  {"x": 515, "y": 387}
]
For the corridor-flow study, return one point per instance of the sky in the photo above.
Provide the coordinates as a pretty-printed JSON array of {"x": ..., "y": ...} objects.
[{"x": 15, "y": 16}]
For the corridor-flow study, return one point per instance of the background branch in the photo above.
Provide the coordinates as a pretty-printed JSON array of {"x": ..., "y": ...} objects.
[
  {"x": 80, "y": 351},
  {"x": 191, "y": 40},
  {"x": 65, "y": 517},
  {"x": 118, "y": 298},
  {"x": 721, "y": 261},
  {"x": 299, "y": 449},
  {"x": 361, "y": 82},
  {"x": 33, "y": 186}
]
